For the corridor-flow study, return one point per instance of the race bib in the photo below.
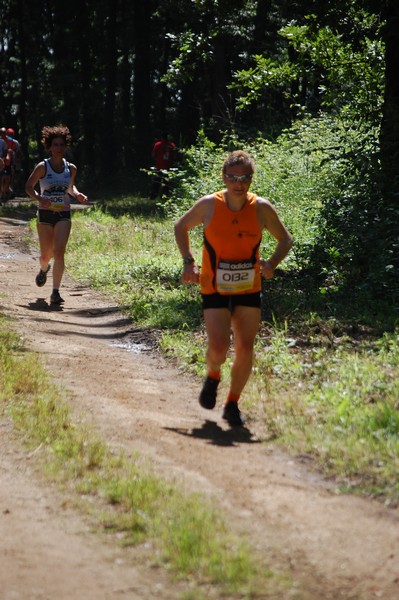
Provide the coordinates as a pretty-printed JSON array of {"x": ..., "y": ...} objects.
[
  {"x": 58, "y": 198},
  {"x": 234, "y": 277}
]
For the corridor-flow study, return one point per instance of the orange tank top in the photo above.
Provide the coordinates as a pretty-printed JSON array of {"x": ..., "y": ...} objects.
[{"x": 230, "y": 255}]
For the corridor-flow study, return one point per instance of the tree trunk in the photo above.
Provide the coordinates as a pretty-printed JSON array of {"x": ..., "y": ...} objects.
[
  {"x": 23, "y": 90},
  {"x": 142, "y": 82},
  {"x": 109, "y": 153},
  {"x": 390, "y": 120},
  {"x": 265, "y": 32}
]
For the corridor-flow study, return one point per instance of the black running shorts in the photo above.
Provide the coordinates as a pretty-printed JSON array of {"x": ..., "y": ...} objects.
[
  {"x": 230, "y": 300},
  {"x": 52, "y": 217}
]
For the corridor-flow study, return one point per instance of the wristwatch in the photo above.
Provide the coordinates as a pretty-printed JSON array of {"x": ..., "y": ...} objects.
[{"x": 188, "y": 260}]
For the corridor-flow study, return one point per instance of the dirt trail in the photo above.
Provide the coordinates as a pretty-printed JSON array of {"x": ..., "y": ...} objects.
[{"x": 335, "y": 546}]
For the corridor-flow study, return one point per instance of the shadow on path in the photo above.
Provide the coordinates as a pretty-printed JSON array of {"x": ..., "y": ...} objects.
[{"x": 218, "y": 436}]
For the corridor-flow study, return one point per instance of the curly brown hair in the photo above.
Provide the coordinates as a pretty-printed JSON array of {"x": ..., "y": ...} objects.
[{"x": 49, "y": 133}]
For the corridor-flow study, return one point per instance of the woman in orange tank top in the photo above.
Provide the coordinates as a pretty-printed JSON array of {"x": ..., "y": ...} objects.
[
  {"x": 233, "y": 221},
  {"x": 230, "y": 255}
]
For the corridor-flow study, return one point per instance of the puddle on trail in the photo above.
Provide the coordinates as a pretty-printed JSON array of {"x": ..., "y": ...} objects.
[
  {"x": 134, "y": 347},
  {"x": 5, "y": 256}
]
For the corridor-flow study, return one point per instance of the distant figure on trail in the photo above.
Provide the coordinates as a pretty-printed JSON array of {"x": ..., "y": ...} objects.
[
  {"x": 56, "y": 178},
  {"x": 8, "y": 147},
  {"x": 3, "y": 143},
  {"x": 1, "y": 170},
  {"x": 14, "y": 162},
  {"x": 233, "y": 221},
  {"x": 3, "y": 154},
  {"x": 164, "y": 156}
]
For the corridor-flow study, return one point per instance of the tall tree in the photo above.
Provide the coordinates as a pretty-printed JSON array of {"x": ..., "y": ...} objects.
[
  {"x": 87, "y": 129},
  {"x": 109, "y": 147},
  {"x": 142, "y": 71},
  {"x": 390, "y": 119},
  {"x": 24, "y": 85}
]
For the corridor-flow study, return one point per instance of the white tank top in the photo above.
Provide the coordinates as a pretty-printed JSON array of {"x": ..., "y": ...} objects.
[{"x": 55, "y": 185}]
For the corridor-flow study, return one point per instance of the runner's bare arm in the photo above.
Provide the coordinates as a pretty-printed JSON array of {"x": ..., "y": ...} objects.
[
  {"x": 73, "y": 190},
  {"x": 198, "y": 214},
  {"x": 37, "y": 173},
  {"x": 269, "y": 220}
]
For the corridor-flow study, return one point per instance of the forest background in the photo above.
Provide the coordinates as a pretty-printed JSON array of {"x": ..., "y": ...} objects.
[{"x": 311, "y": 90}]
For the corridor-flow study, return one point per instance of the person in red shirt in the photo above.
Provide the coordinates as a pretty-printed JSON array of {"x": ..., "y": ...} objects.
[{"x": 163, "y": 153}]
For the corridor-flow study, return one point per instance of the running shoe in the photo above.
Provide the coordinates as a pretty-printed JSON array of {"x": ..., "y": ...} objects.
[
  {"x": 41, "y": 277},
  {"x": 207, "y": 397},
  {"x": 55, "y": 298},
  {"x": 232, "y": 414}
]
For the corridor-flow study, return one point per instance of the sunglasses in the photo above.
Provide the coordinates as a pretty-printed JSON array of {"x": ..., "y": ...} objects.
[{"x": 237, "y": 178}]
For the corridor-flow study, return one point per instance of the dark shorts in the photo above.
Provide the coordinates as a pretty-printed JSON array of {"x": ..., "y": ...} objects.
[
  {"x": 52, "y": 217},
  {"x": 230, "y": 300}
]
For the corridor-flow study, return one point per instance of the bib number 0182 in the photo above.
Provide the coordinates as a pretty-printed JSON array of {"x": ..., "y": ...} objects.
[{"x": 234, "y": 277}]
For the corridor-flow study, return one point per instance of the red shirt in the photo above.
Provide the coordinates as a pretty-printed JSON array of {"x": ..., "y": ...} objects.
[{"x": 163, "y": 153}]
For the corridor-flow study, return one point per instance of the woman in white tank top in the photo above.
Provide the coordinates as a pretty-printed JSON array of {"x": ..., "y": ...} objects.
[{"x": 56, "y": 178}]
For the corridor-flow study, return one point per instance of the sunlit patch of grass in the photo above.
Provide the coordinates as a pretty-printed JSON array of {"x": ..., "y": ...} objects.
[
  {"x": 134, "y": 259},
  {"x": 186, "y": 348},
  {"x": 338, "y": 405},
  {"x": 9, "y": 340}
]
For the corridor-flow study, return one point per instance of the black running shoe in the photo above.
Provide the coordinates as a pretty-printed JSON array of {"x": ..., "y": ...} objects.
[
  {"x": 207, "y": 397},
  {"x": 232, "y": 414},
  {"x": 55, "y": 298},
  {"x": 41, "y": 277}
]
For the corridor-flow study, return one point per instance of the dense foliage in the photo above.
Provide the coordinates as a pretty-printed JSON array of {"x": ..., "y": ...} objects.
[
  {"x": 120, "y": 72},
  {"x": 323, "y": 176},
  {"x": 242, "y": 72}
]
